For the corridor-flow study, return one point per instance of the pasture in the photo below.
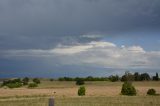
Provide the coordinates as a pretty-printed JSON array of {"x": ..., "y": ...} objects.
[{"x": 99, "y": 93}]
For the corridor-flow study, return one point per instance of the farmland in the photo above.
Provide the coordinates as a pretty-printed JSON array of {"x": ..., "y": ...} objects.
[{"x": 98, "y": 93}]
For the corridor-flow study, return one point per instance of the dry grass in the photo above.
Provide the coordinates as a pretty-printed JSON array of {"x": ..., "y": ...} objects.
[
  {"x": 98, "y": 94},
  {"x": 69, "y": 89},
  {"x": 86, "y": 101}
]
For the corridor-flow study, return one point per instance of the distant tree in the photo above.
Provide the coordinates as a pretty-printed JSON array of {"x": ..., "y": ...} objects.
[
  {"x": 145, "y": 77},
  {"x": 114, "y": 78},
  {"x": 36, "y": 80},
  {"x": 66, "y": 79},
  {"x": 25, "y": 81},
  {"x": 128, "y": 77},
  {"x": 80, "y": 81},
  {"x": 156, "y": 78},
  {"x": 51, "y": 79},
  {"x": 137, "y": 76},
  {"x": 90, "y": 78}
]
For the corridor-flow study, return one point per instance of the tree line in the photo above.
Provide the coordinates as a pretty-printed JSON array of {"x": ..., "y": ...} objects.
[{"x": 127, "y": 76}]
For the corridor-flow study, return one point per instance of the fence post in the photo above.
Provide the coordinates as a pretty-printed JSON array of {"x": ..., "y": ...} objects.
[{"x": 51, "y": 101}]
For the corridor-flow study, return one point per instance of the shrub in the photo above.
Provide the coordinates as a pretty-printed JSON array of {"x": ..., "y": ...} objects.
[
  {"x": 81, "y": 91},
  {"x": 79, "y": 82},
  {"x": 36, "y": 80},
  {"x": 14, "y": 85},
  {"x": 32, "y": 85},
  {"x": 128, "y": 89},
  {"x": 151, "y": 92}
]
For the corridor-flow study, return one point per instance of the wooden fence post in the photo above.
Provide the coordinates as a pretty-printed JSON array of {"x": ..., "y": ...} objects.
[{"x": 51, "y": 101}]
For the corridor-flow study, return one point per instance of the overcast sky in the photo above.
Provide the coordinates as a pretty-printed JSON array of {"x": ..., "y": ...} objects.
[{"x": 52, "y": 38}]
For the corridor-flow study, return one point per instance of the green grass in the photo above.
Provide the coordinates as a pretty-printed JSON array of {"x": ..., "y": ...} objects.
[{"x": 85, "y": 101}]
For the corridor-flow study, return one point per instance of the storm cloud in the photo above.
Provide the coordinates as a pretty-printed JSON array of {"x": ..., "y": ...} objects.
[
  {"x": 42, "y": 24},
  {"x": 40, "y": 30}
]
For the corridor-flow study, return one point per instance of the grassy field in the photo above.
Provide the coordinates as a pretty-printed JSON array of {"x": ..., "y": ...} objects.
[
  {"x": 84, "y": 101},
  {"x": 101, "y": 93}
]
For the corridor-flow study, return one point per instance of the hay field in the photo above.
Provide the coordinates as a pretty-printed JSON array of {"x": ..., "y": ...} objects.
[
  {"x": 69, "y": 89},
  {"x": 100, "y": 93}
]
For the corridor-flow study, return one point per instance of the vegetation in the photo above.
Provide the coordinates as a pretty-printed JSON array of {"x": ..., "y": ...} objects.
[
  {"x": 89, "y": 78},
  {"x": 36, "y": 80},
  {"x": 131, "y": 77},
  {"x": 156, "y": 78},
  {"x": 113, "y": 78},
  {"x": 151, "y": 92},
  {"x": 51, "y": 79},
  {"x": 128, "y": 89},
  {"x": 32, "y": 85},
  {"x": 25, "y": 81},
  {"x": 79, "y": 81},
  {"x": 81, "y": 91},
  {"x": 87, "y": 101},
  {"x": 99, "y": 93},
  {"x": 145, "y": 77},
  {"x": 14, "y": 83}
]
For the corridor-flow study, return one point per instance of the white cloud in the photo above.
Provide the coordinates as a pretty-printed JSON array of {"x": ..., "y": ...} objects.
[
  {"x": 66, "y": 50},
  {"x": 92, "y": 36},
  {"x": 101, "y": 54},
  {"x": 136, "y": 49}
]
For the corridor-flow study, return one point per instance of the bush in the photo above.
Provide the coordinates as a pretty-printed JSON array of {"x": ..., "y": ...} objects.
[
  {"x": 81, "y": 91},
  {"x": 14, "y": 85},
  {"x": 32, "y": 85},
  {"x": 151, "y": 92},
  {"x": 79, "y": 82},
  {"x": 36, "y": 80},
  {"x": 128, "y": 89}
]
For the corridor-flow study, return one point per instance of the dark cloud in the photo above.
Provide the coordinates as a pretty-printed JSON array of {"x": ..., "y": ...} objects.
[
  {"x": 42, "y": 24},
  {"x": 28, "y": 25}
]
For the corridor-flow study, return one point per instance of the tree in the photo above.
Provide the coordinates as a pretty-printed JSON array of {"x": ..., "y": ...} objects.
[
  {"x": 137, "y": 76},
  {"x": 36, "y": 80},
  {"x": 79, "y": 81},
  {"x": 145, "y": 77},
  {"x": 156, "y": 78},
  {"x": 127, "y": 77},
  {"x": 114, "y": 78},
  {"x": 25, "y": 81}
]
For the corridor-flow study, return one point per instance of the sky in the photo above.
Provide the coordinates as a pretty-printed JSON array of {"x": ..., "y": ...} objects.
[{"x": 56, "y": 38}]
